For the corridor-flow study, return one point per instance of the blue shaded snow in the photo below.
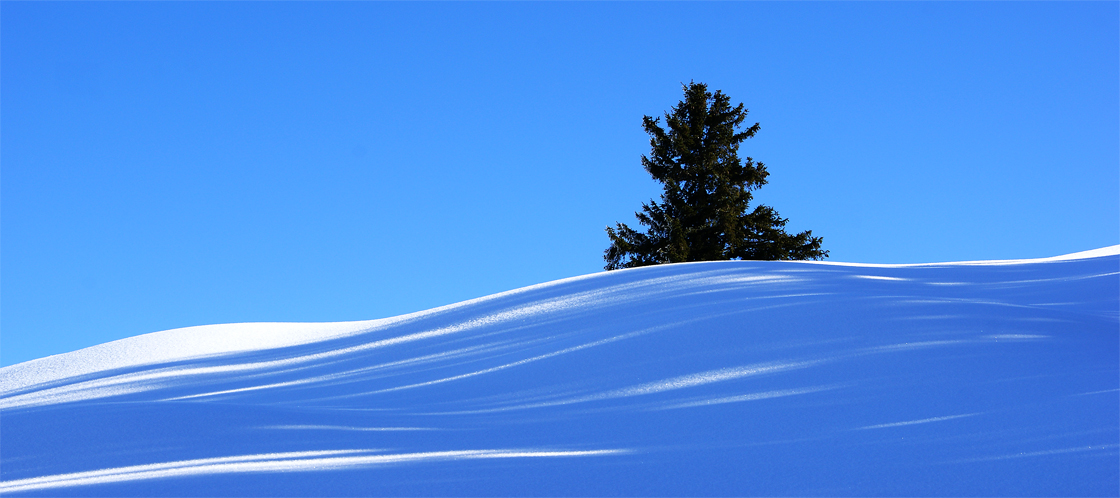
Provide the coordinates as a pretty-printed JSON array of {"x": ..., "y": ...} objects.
[{"x": 719, "y": 378}]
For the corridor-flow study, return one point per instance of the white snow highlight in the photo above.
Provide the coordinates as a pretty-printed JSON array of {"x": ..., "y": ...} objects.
[
  {"x": 275, "y": 462},
  {"x": 747, "y": 397},
  {"x": 922, "y": 421}
]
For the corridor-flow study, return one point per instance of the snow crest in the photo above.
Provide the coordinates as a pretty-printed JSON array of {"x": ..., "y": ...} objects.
[{"x": 723, "y": 378}]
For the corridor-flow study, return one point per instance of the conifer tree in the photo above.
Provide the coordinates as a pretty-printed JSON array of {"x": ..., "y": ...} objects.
[{"x": 704, "y": 213}]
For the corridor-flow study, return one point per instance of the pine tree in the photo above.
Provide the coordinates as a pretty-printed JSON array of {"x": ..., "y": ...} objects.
[{"x": 704, "y": 213}]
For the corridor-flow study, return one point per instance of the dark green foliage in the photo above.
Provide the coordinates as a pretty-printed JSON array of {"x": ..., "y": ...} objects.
[{"x": 705, "y": 213}]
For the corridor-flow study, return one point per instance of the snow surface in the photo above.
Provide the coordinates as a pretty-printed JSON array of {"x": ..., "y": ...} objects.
[{"x": 718, "y": 378}]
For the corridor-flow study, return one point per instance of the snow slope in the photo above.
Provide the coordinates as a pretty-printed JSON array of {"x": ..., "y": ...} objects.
[{"x": 720, "y": 378}]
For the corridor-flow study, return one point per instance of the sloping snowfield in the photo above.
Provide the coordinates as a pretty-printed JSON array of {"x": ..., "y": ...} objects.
[{"x": 721, "y": 378}]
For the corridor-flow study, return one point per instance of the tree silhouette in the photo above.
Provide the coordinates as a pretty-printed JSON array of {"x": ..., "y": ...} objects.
[{"x": 704, "y": 213}]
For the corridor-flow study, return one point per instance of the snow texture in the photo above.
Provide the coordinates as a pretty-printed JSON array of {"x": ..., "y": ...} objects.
[{"x": 719, "y": 378}]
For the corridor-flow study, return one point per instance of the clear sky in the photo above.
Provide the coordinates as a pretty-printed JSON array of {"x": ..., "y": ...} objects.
[{"x": 173, "y": 164}]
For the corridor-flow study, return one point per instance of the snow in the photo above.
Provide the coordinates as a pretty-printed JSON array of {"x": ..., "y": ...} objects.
[{"x": 716, "y": 378}]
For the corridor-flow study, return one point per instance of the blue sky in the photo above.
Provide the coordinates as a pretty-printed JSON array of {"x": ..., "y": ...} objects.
[{"x": 173, "y": 164}]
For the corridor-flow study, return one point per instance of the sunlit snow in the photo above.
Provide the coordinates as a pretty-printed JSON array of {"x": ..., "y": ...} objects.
[{"x": 719, "y": 378}]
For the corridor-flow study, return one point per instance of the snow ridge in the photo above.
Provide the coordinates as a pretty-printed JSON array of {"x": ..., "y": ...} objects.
[{"x": 723, "y": 378}]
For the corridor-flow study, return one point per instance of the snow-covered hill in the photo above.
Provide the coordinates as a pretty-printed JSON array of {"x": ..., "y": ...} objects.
[{"x": 721, "y": 378}]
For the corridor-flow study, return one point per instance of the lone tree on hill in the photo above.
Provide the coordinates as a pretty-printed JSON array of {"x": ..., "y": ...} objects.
[{"x": 703, "y": 214}]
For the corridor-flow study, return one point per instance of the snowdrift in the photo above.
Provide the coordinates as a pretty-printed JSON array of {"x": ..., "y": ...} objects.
[{"x": 720, "y": 378}]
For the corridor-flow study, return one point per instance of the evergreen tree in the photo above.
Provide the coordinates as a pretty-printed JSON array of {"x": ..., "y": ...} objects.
[{"x": 705, "y": 212}]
